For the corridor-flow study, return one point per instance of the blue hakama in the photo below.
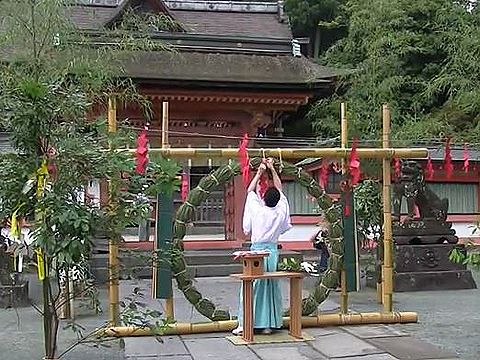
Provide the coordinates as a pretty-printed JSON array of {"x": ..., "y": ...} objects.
[{"x": 267, "y": 294}]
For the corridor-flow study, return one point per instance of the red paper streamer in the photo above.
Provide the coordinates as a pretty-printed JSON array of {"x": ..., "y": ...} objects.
[
  {"x": 142, "y": 152},
  {"x": 448, "y": 160},
  {"x": 429, "y": 169},
  {"x": 185, "y": 186},
  {"x": 244, "y": 160},
  {"x": 354, "y": 164},
  {"x": 397, "y": 168},
  {"x": 466, "y": 161},
  {"x": 324, "y": 174}
]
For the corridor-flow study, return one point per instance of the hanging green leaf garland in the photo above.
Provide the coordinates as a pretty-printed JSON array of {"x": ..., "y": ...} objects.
[{"x": 223, "y": 175}]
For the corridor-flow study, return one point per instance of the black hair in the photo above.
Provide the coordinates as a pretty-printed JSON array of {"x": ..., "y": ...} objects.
[{"x": 272, "y": 197}]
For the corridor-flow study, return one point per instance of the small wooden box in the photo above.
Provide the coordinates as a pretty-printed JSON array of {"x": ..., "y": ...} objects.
[{"x": 253, "y": 265}]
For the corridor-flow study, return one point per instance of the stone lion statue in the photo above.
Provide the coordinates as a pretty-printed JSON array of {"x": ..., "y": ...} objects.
[{"x": 411, "y": 186}]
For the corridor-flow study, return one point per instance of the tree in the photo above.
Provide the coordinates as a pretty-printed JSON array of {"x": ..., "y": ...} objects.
[
  {"x": 51, "y": 78},
  {"x": 321, "y": 20},
  {"x": 405, "y": 53}
]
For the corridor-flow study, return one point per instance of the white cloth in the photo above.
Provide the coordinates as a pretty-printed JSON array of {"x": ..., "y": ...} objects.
[{"x": 265, "y": 224}]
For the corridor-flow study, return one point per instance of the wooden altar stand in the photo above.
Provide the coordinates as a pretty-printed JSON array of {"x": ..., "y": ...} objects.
[{"x": 253, "y": 270}]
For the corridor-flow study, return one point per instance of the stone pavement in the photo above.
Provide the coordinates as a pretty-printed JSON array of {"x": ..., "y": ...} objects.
[
  {"x": 372, "y": 342},
  {"x": 447, "y": 319}
]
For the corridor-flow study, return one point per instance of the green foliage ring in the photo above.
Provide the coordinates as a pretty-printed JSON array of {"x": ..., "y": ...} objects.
[{"x": 222, "y": 175}]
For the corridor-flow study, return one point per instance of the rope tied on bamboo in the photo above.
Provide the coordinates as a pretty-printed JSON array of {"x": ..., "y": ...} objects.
[
  {"x": 328, "y": 289},
  {"x": 203, "y": 190},
  {"x": 229, "y": 167},
  {"x": 215, "y": 179},
  {"x": 281, "y": 166},
  {"x": 189, "y": 204}
]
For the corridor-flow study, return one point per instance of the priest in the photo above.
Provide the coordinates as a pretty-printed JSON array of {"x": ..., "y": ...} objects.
[{"x": 266, "y": 217}]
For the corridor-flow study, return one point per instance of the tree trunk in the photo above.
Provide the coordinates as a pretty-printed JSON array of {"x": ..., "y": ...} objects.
[
  {"x": 316, "y": 48},
  {"x": 50, "y": 320}
]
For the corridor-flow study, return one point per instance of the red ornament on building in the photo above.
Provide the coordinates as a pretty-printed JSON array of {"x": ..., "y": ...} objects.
[
  {"x": 466, "y": 160},
  {"x": 142, "y": 152},
  {"x": 448, "y": 160},
  {"x": 429, "y": 169}
]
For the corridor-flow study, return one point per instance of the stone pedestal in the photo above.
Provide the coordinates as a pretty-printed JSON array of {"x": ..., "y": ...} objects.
[{"x": 427, "y": 267}]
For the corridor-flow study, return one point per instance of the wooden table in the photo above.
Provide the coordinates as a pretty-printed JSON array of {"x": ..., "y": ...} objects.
[{"x": 296, "y": 278}]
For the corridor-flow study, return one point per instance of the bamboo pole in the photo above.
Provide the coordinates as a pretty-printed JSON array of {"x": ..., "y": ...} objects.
[
  {"x": 387, "y": 285},
  {"x": 169, "y": 305},
  {"x": 165, "y": 144},
  {"x": 307, "y": 321},
  {"x": 300, "y": 153},
  {"x": 113, "y": 268},
  {"x": 343, "y": 145}
]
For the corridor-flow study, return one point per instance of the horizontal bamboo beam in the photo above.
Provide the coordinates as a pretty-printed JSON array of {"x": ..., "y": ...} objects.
[
  {"x": 301, "y": 153},
  {"x": 307, "y": 321}
]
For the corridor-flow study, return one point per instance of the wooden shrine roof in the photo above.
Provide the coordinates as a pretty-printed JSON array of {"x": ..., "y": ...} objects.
[
  {"x": 239, "y": 18},
  {"x": 218, "y": 42},
  {"x": 233, "y": 68}
]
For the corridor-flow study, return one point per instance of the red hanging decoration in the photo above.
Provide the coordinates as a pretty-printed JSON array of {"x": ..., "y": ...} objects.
[
  {"x": 142, "y": 152},
  {"x": 354, "y": 164},
  {"x": 324, "y": 174},
  {"x": 185, "y": 186},
  {"x": 466, "y": 161},
  {"x": 397, "y": 168},
  {"x": 429, "y": 169},
  {"x": 244, "y": 160},
  {"x": 448, "y": 160}
]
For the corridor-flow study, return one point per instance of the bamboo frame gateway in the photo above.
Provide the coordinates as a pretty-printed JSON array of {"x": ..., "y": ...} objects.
[{"x": 385, "y": 154}]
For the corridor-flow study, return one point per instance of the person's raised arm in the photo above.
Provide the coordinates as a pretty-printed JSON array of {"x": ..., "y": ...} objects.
[
  {"x": 256, "y": 179},
  {"x": 276, "y": 179}
]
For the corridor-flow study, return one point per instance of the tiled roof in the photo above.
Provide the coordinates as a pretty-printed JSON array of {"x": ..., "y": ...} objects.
[
  {"x": 91, "y": 18},
  {"x": 233, "y": 23},
  {"x": 93, "y": 15}
]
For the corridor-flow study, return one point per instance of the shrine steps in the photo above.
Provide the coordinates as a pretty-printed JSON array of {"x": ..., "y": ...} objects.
[{"x": 200, "y": 263}]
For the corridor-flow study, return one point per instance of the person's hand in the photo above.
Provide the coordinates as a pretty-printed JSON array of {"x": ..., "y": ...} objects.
[
  {"x": 270, "y": 163},
  {"x": 261, "y": 169}
]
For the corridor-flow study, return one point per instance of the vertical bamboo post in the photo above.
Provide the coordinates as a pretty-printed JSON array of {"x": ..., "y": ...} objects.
[
  {"x": 113, "y": 268},
  {"x": 343, "y": 139},
  {"x": 165, "y": 144},
  {"x": 387, "y": 285},
  {"x": 169, "y": 308}
]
